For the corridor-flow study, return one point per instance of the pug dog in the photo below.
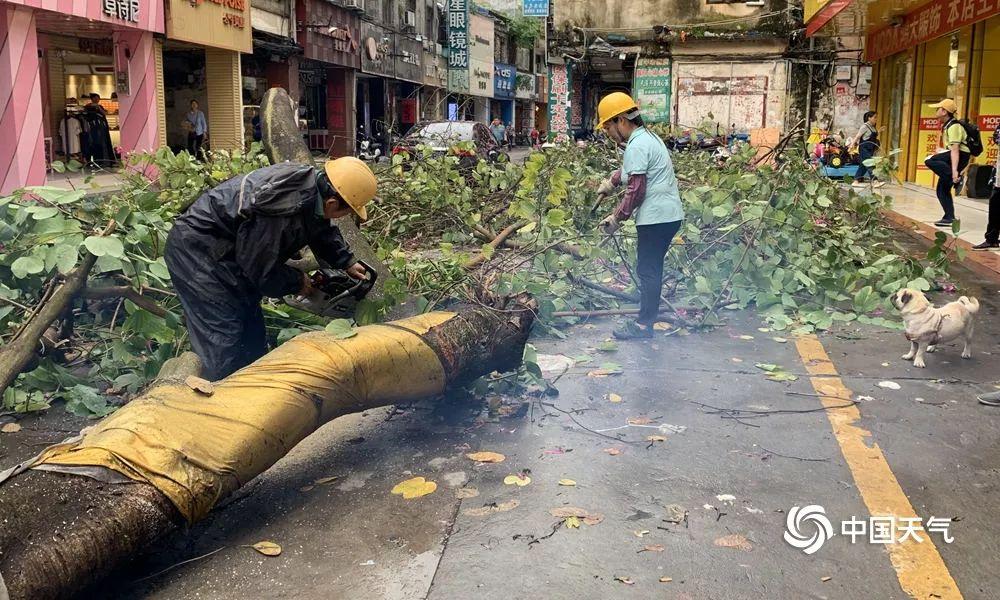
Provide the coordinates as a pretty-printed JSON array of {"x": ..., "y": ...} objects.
[{"x": 926, "y": 326}]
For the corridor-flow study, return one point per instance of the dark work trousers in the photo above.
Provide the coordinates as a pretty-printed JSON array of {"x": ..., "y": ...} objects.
[
  {"x": 940, "y": 164},
  {"x": 654, "y": 241},
  {"x": 866, "y": 150},
  {"x": 993, "y": 226},
  {"x": 194, "y": 144}
]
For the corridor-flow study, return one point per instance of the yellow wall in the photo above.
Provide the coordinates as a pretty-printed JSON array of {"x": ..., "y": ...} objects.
[
  {"x": 225, "y": 120},
  {"x": 985, "y": 88}
]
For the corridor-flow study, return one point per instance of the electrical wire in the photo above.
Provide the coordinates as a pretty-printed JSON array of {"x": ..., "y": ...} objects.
[{"x": 693, "y": 25}]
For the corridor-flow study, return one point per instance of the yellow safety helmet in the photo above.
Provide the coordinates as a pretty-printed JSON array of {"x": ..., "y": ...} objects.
[
  {"x": 354, "y": 181},
  {"x": 613, "y": 105}
]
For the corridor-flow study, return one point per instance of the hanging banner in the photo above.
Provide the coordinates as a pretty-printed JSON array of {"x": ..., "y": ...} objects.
[
  {"x": 928, "y": 140},
  {"x": 481, "y": 38},
  {"x": 535, "y": 8},
  {"x": 458, "y": 34},
  {"x": 989, "y": 118},
  {"x": 651, "y": 89},
  {"x": 504, "y": 81},
  {"x": 559, "y": 104}
]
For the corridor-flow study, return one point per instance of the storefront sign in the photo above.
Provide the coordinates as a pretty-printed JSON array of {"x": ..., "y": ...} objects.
[
  {"x": 504, "y": 80},
  {"x": 989, "y": 118},
  {"x": 481, "y": 56},
  {"x": 535, "y": 8},
  {"x": 329, "y": 34},
  {"x": 407, "y": 53},
  {"x": 524, "y": 86},
  {"x": 458, "y": 34},
  {"x": 559, "y": 103},
  {"x": 215, "y": 23},
  {"x": 576, "y": 103},
  {"x": 651, "y": 89},
  {"x": 146, "y": 15},
  {"x": 99, "y": 47},
  {"x": 435, "y": 70},
  {"x": 126, "y": 10},
  {"x": 928, "y": 140},
  {"x": 458, "y": 80},
  {"x": 377, "y": 48},
  {"x": 930, "y": 21}
]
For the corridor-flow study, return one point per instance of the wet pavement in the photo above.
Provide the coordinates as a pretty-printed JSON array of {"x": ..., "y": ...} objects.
[{"x": 704, "y": 507}]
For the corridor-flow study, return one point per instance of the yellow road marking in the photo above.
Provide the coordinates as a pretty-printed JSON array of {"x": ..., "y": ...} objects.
[{"x": 920, "y": 569}]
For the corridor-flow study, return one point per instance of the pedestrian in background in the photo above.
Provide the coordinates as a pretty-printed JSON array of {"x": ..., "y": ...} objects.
[
  {"x": 498, "y": 130},
  {"x": 199, "y": 127},
  {"x": 993, "y": 224},
  {"x": 866, "y": 141},
  {"x": 95, "y": 104},
  {"x": 652, "y": 196},
  {"x": 949, "y": 163}
]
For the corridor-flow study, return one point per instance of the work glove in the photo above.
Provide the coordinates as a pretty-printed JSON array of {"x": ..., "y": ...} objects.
[
  {"x": 610, "y": 225},
  {"x": 606, "y": 187}
]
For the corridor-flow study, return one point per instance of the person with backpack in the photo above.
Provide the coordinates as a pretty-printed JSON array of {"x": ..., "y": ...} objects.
[
  {"x": 228, "y": 250},
  {"x": 960, "y": 141},
  {"x": 993, "y": 220}
]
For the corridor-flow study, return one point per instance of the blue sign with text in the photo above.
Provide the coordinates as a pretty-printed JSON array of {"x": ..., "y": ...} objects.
[
  {"x": 535, "y": 8},
  {"x": 504, "y": 80}
]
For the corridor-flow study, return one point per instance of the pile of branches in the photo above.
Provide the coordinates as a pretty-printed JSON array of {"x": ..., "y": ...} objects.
[{"x": 88, "y": 315}]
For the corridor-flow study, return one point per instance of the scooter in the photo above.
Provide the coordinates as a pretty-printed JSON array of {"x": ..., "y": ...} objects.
[{"x": 368, "y": 150}]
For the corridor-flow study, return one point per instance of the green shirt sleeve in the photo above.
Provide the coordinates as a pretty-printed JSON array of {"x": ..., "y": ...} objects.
[{"x": 955, "y": 134}]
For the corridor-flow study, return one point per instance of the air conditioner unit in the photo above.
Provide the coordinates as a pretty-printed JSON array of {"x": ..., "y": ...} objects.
[
  {"x": 358, "y": 5},
  {"x": 410, "y": 19}
]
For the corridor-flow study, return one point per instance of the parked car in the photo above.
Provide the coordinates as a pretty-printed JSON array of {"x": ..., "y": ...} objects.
[{"x": 452, "y": 137}]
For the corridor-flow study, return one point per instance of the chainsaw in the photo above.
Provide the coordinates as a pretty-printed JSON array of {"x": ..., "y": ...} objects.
[{"x": 335, "y": 293}]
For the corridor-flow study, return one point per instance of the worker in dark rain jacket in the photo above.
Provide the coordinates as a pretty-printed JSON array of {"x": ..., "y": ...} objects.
[{"x": 228, "y": 250}]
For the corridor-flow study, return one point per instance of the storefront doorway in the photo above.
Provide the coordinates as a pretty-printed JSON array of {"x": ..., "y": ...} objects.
[{"x": 183, "y": 81}]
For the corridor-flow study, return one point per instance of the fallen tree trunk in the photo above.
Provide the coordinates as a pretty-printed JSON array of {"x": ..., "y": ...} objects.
[{"x": 63, "y": 532}]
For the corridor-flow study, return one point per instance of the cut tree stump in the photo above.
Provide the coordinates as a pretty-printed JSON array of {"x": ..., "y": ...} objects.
[{"x": 63, "y": 532}]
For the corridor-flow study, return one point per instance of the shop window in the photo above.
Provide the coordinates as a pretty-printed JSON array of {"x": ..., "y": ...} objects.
[{"x": 953, "y": 62}]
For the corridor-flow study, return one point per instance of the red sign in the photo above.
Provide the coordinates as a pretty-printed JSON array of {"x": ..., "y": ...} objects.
[
  {"x": 928, "y": 22},
  {"x": 930, "y": 124},
  {"x": 409, "y": 109}
]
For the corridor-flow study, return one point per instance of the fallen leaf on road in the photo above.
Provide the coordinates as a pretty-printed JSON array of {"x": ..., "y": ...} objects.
[
  {"x": 486, "y": 457},
  {"x": 518, "y": 480},
  {"x": 624, "y": 580},
  {"x": 770, "y": 368},
  {"x": 200, "y": 385},
  {"x": 734, "y": 540},
  {"x": 491, "y": 508},
  {"x": 763, "y": 330},
  {"x": 613, "y": 451},
  {"x": 825, "y": 579},
  {"x": 267, "y": 548},
  {"x": 639, "y": 421},
  {"x": 889, "y": 385},
  {"x": 661, "y": 326},
  {"x": 656, "y": 438},
  {"x": 593, "y": 518},
  {"x": 567, "y": 482},
  {"x": 641, "y": 533},
  {"x": 326, "y": 480},
  {"x": 10, "y": 428},
  {"x": 306, "y": 488},
  {"x": 885, "y": 364},
  {"x": 864, "y": 398},
  {"x": 736, "y": 360},
  {"x": 615, "y": 398},
  {"x": 746, "y": 337},
  {"x": 666, "y": 579},
  {"x": 725, "y": 498},
  {"x": 652, "y": 548},
  {"x": 569, "y": 511},
  {"x": 558, "y": 450},
  {"x": 780, "y": 340},
  {"x": 607, "y": 346},
  {"x": 414, "y": 488},
  {"x": 572, "y": 522},
  {"x": 675, "y": 513},
  {"x": 782, "y": 376},
  {"x": 466, "y": 492}
]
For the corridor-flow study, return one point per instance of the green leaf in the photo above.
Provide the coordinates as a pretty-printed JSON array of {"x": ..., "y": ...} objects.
[
  {"x": 105, "y": 246},
  {"x": 956, "y": 226},
  {"x": 556, "y": 217},
  {"x": 342, "y": 328},
  {"x": 40, "y": 213},
  {"x": 27, "y": 265},
  {"x": 62, "y": 257},
  {"x": 919, "y": 284},
  {"x": 770, "y": 368},
  {"x": 288, "y": 333},
  {"x": 159, "y": 270},
  {"x": 607, "y": 346},
  {"x": 85, "y": 401}
]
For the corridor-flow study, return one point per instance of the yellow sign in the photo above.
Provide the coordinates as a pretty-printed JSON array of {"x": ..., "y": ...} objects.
[
  {"x": 989, "y": 118},
  {"x": 215, "y": 23},
  {"x": 928, "y": 142},
  {"x": 811, "y": 7}
]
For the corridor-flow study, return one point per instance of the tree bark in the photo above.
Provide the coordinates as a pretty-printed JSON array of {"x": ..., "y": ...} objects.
[
  {"x": 64, "y": 532},
  {"x": 127, "y": 292},
  {"x": 18, "y": 354}
]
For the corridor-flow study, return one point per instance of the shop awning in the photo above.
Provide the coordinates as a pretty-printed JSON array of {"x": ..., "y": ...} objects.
[
  {"x": 275, "y": 44},
  {"x": 818, "y": 13}
]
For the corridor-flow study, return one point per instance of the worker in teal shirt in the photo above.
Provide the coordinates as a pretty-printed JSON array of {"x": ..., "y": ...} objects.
[{"x": 651, "y": 197}]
